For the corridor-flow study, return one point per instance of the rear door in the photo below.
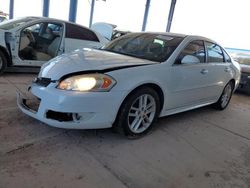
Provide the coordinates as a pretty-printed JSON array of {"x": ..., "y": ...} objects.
[{"x": 218, "y": 67}]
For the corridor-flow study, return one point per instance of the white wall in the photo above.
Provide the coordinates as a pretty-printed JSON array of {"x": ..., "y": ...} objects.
[
  {"x": 158, "y": 15},
  {"x": 27, "y": 7},
  {"x": 59, "y": 9},
  {"x": 83, "y": 12},
  {"x": 4, "y": 6},
  {"x": 222, "y": 20},
  {"x": 126, "y": 14}
]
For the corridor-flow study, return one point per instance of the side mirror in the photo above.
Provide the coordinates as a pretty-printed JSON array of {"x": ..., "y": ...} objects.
[{"x": 190, "y": 59}]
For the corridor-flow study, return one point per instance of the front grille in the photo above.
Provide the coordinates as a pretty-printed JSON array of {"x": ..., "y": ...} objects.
[{"x": 42, "y": 81}]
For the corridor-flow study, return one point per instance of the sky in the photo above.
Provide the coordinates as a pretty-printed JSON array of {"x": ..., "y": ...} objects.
[{"x": 225, "y": 21}]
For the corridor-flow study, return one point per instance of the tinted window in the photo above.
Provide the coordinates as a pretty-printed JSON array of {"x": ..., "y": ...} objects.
[
  {"x": 215, "y": 53},
  {"x": 155, "y": 47},
  {"x": 192, "y": 53},
  {"x": 77, "y": 32}
]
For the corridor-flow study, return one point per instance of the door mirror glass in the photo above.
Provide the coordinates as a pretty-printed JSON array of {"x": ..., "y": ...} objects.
[
  {"x": 193, "y": 53},
  {"x": 190, "y": 59}
]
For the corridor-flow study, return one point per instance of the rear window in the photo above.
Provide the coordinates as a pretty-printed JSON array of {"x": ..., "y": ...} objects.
[
  {"x": 81, "y": 33},
  {"x": 215, "y": 53}
]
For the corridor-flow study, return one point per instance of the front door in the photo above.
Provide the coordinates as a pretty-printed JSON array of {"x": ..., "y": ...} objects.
[
  {"x": 37, "y": 44},
  {"x": 188, "y": 78}
]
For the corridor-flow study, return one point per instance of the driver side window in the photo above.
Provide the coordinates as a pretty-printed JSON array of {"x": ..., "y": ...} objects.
[{"x": 193, "y": 53}]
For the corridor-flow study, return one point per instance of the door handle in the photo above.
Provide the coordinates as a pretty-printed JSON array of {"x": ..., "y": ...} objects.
[
  {"x": 204, "y": 71},
  {"x": 227, "y": 69}
]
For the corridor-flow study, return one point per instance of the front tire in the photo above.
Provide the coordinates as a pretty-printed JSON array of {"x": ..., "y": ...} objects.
[
  {"x": 138, "y": 112},
  {"x": 3, "y": 62},
  {"x": 225, "y": 97}
]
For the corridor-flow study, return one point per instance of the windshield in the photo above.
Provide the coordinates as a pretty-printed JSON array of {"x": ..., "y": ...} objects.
[
  {"x": 154, "y": 47},
  {"x": 10, "y": 24}
]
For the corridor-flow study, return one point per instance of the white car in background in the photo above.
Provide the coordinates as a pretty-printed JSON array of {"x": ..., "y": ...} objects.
[
  {"x": 131, "y": 82},
  {"x": 32, "y": 41},
  {"x": 3, "y": 16}
]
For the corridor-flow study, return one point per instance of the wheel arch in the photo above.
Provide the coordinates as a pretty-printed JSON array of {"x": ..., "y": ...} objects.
[
  {"x": 234, "y": 83},
  {"x": 154, "y": 86}
]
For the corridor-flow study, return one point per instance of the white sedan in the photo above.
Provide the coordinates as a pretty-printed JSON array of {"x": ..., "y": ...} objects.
[
  {"x": 3, "y": 16},
  {"x": 131, "y": 82},
  {"x": 32, "y": 41}
]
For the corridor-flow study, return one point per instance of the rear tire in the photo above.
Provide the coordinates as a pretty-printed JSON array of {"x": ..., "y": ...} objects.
[
  {"x": 138, "y": 113},
  {"x": 225, "y": 97},
  {"x": 3, "y": 62}
]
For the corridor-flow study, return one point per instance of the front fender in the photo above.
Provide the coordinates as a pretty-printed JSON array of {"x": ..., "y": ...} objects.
[
  {"x": 151, "y": 74},
  {"x": 2, "y": 39}
]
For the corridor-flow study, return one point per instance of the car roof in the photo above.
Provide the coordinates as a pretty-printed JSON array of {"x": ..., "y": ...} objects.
[
  {"x": 162, "y": 33},
  {"x": 188, "y": 37},
  {"x": 34, "y": 18}
]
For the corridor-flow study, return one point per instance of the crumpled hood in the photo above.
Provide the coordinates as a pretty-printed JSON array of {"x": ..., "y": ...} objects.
[
  {"x": 87, "y": 60},
  {"x": 245, "y": 68}
]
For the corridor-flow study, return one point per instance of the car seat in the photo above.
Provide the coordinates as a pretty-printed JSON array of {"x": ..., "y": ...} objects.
[
  {"x": 51, "y": 51},
  {"x": 48, "y": 34}
]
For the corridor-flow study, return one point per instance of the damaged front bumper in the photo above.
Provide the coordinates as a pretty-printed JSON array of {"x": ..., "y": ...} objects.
[{"x": 70, "y": 109}]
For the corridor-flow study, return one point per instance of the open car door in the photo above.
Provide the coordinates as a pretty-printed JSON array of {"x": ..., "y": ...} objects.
[{"x": 105, "y": 29}]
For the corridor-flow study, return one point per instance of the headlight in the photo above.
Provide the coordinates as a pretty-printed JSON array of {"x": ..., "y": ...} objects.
[{"x": 87, "y": 82}]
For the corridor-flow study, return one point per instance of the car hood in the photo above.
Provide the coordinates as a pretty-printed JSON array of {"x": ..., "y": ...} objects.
[
  {"x": 245, "y": 68},
  {"x": 87, "y": 60}
]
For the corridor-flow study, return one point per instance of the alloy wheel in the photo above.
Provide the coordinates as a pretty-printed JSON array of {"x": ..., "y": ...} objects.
[
  {"x": 141, "y": 113},
  {"x": 225, "y": 98}
]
